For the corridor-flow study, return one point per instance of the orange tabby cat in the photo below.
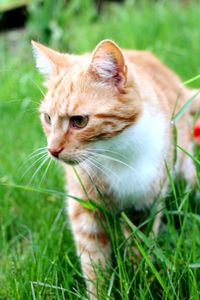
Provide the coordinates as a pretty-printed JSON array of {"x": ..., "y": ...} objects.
[{"x": 109, "y": 114}]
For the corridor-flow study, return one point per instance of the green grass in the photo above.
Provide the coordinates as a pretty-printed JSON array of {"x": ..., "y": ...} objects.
[{"x": 37, "y": 253}]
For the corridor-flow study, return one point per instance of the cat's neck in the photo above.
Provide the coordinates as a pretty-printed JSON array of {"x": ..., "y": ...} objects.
[{"x": 131, "y": 161}]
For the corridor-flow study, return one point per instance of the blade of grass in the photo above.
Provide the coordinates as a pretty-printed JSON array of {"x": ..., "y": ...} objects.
[
  {"x": 80, "y": 181},
  {"x": 189, "y": 154},
  {"x": 33, "y": 291},
  {"x": 184, "y": 214},
  {"x": 112, "y": 278},
  {"x": 194, "y": 265},
  {"x": 150, "y": 264},
  {"x": 191, "y": 80},
  {"x": 171, "y": 181},
  {"x": 48, "y": 285},
  {"x": 183, "y": 109},
  {"x": 89, "y": 204},
  {"x": 71, "y": 265},
  {"x": 157, "y": 252}
]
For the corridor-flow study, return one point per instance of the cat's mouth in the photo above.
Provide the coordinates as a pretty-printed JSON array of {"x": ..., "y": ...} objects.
[{"x": 68, "y": 159}]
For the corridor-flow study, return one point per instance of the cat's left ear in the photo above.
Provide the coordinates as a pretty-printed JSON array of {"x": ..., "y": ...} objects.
[
  {"x": 47, "y": 60},
  {"x": 108, "y": 63}
]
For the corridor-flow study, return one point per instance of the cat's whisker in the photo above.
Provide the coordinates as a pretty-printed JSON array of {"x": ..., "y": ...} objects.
[
  {"x": 89, "y": 163},
  {"x": 92, "y": 186},
  {"x": 91, "y": 174},
  {"x": 32, "y": 110},
  {"x": 29, "y": 163},
  {"x": 101, "y": 167},
  {"x": 92, "y": 157},
  {"x": 38, "y": 87},
  {"x": 116, "y": 160},
  {"x": 38, "y": 149},
  {"x": 33, "y": 155},
  {"x": 93, "y": 177},
  {"x": 106, "y": 150},
  {"x": 90, "y": 171},
  {"x": 105, "y": 167},
  {"x": 45, "y": 173},
  {"x": 99, "y": 186},
  {"x": 97, "y": 153},
  {"x": 32, "y": 165},
  {"x": 20, "y": 100},
  {"x": 38, "y": 169}
]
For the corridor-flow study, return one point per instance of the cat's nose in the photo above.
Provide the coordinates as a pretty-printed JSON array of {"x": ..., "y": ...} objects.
[{"x": 55, "y": 151}]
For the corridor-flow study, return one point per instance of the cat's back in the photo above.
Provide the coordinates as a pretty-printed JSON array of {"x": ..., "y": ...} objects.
[{"x": 159, "y": 74}]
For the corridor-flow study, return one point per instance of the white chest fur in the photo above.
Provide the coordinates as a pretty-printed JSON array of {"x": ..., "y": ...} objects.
[{"x": 141, "y": 149}]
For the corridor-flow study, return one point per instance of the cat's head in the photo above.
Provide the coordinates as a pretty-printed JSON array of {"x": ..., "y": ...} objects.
[{"x": 90, "y": 99}]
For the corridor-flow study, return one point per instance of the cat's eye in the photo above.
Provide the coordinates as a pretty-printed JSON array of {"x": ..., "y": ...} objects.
[
  {"x": 47, "y": 118},
  {"x": 79, "y": 121}
]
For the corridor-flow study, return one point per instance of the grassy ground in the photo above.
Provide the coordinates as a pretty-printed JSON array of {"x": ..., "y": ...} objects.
[{"x": 37, "y": 254}]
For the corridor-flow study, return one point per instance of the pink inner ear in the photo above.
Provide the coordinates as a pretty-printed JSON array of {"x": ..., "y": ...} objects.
[
  {"x": 117, "y": 79},
  {"x": 107, "y": 69}
]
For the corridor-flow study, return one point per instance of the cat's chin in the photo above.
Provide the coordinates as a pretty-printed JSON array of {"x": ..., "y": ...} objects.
[{"x": 71, "y": 162}]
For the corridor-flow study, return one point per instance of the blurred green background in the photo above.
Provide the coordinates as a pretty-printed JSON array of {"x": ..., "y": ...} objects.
[{"x": 37, "y": 254}]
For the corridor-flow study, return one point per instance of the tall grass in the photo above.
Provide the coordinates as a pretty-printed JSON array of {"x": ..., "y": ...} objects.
[{"x": 37, "y": 253}]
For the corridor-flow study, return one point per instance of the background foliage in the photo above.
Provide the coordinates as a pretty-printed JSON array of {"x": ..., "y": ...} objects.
[{"x": 37, "y": 254}]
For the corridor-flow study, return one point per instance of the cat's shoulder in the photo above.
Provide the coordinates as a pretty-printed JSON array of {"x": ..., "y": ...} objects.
[
  {"x": 135, "y": 55},
  {"x": 146, "y": 59}
]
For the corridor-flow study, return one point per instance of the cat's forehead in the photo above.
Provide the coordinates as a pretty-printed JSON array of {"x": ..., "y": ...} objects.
[{"x": 70, "y": 92}]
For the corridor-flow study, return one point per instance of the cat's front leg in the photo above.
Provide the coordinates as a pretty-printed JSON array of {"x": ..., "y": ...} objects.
[{"x": 92, "y": 243}]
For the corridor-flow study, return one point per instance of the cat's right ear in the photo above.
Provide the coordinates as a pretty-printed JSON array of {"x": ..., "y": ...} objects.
[
  {"x": 47, "y": 60},
  {"x": 108, "y": 64}
]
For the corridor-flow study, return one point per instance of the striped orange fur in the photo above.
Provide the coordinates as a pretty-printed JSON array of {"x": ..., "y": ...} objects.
[{"x": 109, "y": 113}]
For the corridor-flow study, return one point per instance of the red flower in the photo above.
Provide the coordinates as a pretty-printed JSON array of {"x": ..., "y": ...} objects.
[{"x": 197, "y": 131}]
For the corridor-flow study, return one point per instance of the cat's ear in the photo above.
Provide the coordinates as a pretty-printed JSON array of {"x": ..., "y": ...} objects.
[
  {"x": 108, "y": 63},
  {"x": 47, "y": 60}
]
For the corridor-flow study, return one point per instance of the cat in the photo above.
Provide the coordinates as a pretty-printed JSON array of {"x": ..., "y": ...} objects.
[{"x": 109, "y": 114}]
